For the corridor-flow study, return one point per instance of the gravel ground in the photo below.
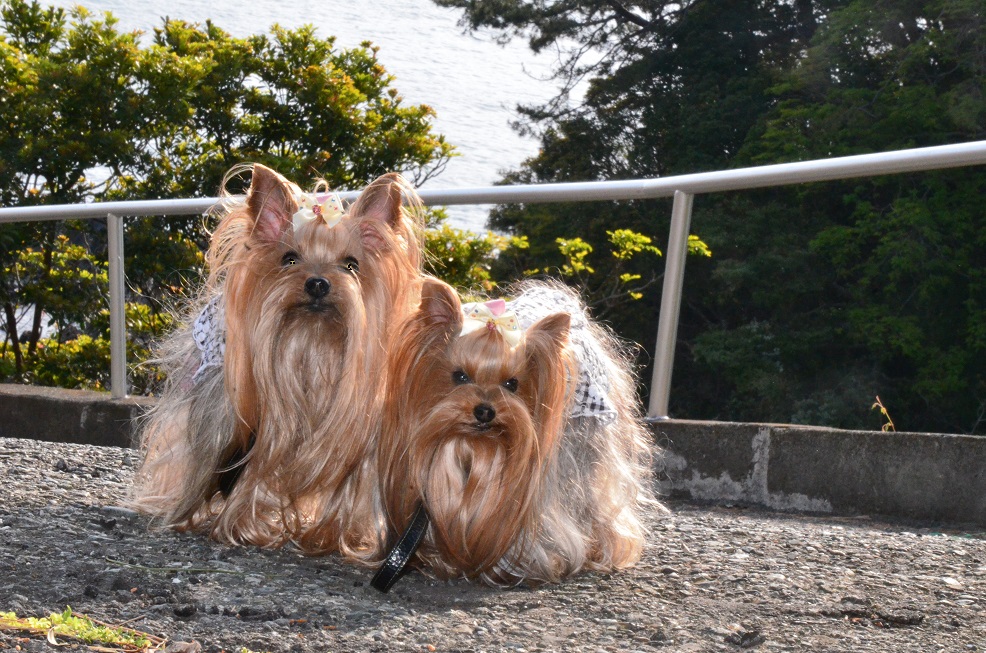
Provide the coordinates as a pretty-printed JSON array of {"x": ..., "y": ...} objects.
[{"x": 712, "y": 579}]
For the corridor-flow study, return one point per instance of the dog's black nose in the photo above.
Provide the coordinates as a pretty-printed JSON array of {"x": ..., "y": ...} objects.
[
  {"x": 484, "y": 413},
  {"x": 317, "y": 287}
]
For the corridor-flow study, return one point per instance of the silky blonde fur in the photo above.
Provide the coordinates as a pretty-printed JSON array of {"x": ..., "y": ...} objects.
[
  {"x": 295, "y": 410},
  {"x": 536, "y": 495}
]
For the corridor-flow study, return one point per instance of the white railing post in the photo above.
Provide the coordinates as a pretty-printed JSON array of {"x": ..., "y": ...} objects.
[
  {"x": 667, "y": 326},
  {"x": 118, "y": 317}
]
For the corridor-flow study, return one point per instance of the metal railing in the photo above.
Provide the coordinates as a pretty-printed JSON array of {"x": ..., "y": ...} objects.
[{"x": 683, "y": 188}]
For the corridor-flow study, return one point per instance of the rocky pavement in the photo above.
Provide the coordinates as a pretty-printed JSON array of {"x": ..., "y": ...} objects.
[{"x": 712, "y": 579}]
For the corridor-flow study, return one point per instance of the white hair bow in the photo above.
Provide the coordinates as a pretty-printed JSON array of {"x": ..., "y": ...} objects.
[
  {"x": 494, "y": 316},
  {"x": 329, "y": 210}
]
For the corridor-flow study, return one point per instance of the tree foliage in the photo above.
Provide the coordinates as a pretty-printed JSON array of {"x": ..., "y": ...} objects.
[
  {"x": 820, "y": 297},
  {"x": 92, "y": 113}
]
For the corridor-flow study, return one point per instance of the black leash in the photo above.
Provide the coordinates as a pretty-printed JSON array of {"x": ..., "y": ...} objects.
[{"x": 398, "y": 558}]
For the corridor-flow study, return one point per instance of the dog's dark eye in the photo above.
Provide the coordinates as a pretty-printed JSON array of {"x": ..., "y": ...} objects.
[
  {"x": 460, "y": 378},
  {"x": 290, "y": 258},
  {"x": 351, "y": 264},
  {"x": 510, "y": 384}
]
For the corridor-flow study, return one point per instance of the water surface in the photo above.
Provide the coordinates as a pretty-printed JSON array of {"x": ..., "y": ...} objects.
[{"x": 472, "y": 83}]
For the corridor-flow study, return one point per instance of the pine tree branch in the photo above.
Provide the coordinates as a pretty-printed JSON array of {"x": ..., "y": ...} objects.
[{"x": 628, "y": 15}]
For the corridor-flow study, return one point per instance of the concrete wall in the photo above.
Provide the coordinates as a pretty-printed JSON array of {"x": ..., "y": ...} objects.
[
  {"x": 920, "y": 476},
  {"x": 57, "y": 415}
]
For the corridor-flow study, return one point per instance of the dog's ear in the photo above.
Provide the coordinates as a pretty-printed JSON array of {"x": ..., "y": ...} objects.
[
  {"x": 547, "y": 337},
  {"x": 379, "y": 207},
  {"x": 271, "y": 201},
  {"x": 440, "y": 305},
  {"x": 544, "y": 343},
  {"x": 550, "y": 369}
]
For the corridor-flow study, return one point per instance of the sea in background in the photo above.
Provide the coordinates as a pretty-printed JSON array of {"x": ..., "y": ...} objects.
[{"x": 473, "y": 83}]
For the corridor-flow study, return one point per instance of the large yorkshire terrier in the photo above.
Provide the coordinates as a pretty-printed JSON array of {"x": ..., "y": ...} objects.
[
  {"x": 514, "y": 424},
  {"x": 267, "y": 429}
]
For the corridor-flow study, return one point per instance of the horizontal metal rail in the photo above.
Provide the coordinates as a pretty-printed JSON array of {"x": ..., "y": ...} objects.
[
  {"x": 862, "y": 165},
  {"x": 682, "y": 187}
]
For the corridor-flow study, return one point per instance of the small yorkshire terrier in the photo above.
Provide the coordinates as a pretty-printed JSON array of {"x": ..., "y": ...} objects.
[
  {"x": 267, "y": 429},
  {"x": 514, "y": 425}
]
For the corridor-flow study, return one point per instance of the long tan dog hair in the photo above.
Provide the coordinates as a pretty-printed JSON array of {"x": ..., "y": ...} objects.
[
  {"x": 278, "y": 443},
  {"x": 480, "y": 432}
]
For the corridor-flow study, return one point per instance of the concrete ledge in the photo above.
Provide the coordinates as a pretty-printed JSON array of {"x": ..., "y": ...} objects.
[
  {"x": 920, "y": 476},
  {"x": 77, "y": 416}
]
